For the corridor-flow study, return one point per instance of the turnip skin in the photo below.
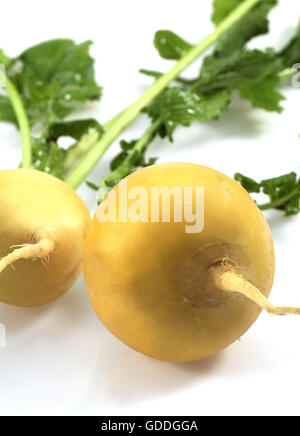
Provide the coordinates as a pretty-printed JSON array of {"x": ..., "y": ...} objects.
[
  {"x": 153, "y": 285},
  {"x": 38, "y": 207}
]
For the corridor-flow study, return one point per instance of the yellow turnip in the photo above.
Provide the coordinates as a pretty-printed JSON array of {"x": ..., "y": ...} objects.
[
  {"x": 43, "y": 224},
  {"x": 176, "y": 295}
]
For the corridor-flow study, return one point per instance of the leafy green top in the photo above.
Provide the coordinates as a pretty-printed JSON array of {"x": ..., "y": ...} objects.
[
  {"x": 53, "y": 78},
  {"x": 255, "y": 74}
]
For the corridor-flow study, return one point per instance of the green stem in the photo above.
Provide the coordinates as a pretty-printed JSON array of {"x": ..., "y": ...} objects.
[
  {"x": 111, "y": 122},
  {"x": 78, "y": 150},
  {"x": 23, "y": 123},
  {"x": 147, "y": 137},
  {"x": 180, "y": 80},
  {"x": 129, "y": 115},
  {"x": 280, "y": 202},
  {"x": 4, "y": 60}
]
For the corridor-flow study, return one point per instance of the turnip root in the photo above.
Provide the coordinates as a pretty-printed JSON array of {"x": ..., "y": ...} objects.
[
  {"x": 180, "y": 296},
  {"x": 43, "y": 224}
]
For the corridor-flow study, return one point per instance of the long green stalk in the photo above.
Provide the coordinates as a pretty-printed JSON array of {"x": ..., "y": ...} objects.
[
  {"x": 129, "y": 115},
  {"x": 23, "y": 123}
]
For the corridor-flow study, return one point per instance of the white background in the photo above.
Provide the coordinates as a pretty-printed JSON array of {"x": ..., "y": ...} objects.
[{"x": 59, "y": 359}]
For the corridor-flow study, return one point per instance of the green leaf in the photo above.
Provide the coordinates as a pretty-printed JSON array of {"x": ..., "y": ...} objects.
[
  {"x": 254, "y": 23},
  {"x": 151, "y": 73},
  {"x": 126, "y": 147},
  {"x": 291, "y": 53},
  {"x": 117, "y": 161},
  {"x": 214, "y": 105},
  {"x": 172, "y": 108},
  {"x": 92, "y": 185},
  {"x": 48, "y": 157},
  {"x": 264, "y": 94},
  {"x": 170, "y": 45},
  {"x": 131, "y": 158},
  {"x": 283, "y": 192},
  {"x": 85, "y": 133},
  {"x": 178, "y": 107},
  {"x": 6, "y": 111},
  {"x": 272, "y": 186},
  {"x": 126, "y": 166},
  {"x": 137, "y": 159},
  {"x": 53, "y": 78},
  {"x": 250, "y": 185},
  {"x": 222, "y": 8},
  {"x": 292, "y": 207},
  {"x": 74, "y": 129},
  {"x": 122, "y": 166},
  {"x": 243, "y": 67}
]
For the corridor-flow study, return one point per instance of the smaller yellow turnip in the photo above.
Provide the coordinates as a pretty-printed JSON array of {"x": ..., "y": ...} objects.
[{"x": 43, "y": 224}]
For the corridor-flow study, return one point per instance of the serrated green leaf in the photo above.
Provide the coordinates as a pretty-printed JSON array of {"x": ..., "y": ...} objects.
[
  {"x": 273, "y": 186},
  {"x": 6, "y": 111},
  {"x": 264, "y": 94},
  {"x": 125, "y": 162},
  {"x": 290, "y": 55},
  {"x": 242, "y": 67},
  {"x": 179, "y": 107},
  {"x": 283, "y": 192},
  {"x": 215, "y": 104},
  {"x": 117, "y": 161},
  {"x": 48, "y": 157},
  {"x": 127, "y": 145},
  {"x": 254, "y": 23},
  {"x": 53, "y": 78},
  {"x": 292, "y": 207},
  {"x": 85, "y": 134}
]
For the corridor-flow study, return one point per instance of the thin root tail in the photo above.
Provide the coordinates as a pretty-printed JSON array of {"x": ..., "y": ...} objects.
[
  {"x": 229, "y": 281},
  {"x": 43, "y": 248}
]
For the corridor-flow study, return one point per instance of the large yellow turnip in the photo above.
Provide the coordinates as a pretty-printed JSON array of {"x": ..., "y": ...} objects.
[{"x": 174, "y": 295}]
